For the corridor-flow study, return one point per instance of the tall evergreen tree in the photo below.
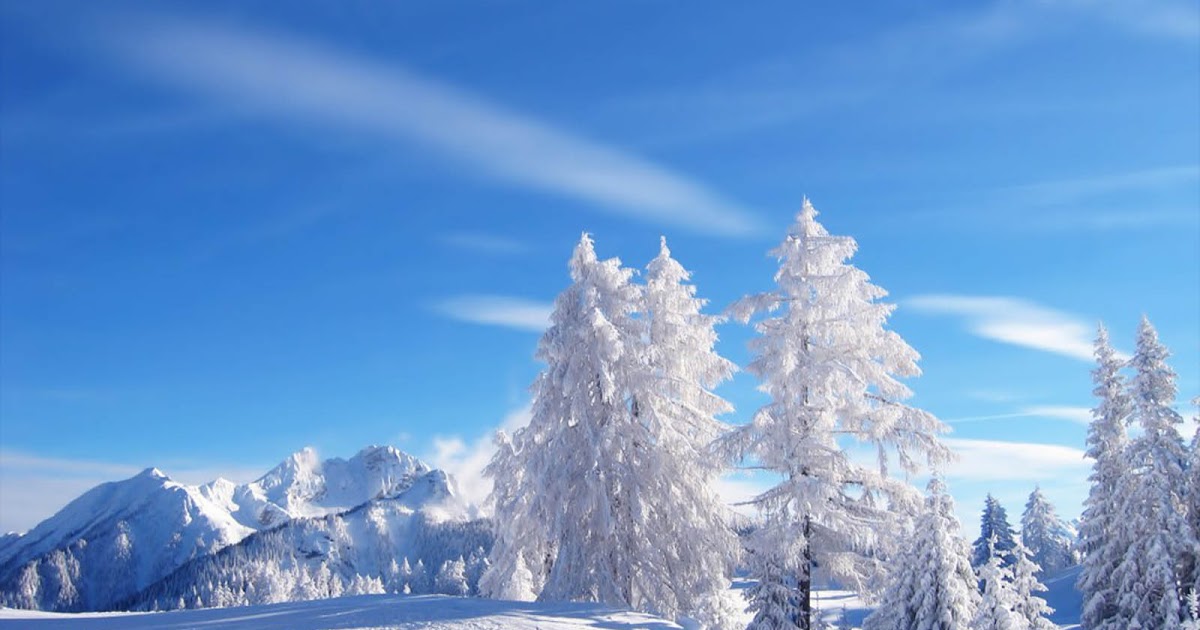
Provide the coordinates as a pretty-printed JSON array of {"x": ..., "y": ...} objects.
[
  {"x": 682, "y": 548},
  {"x": 607, "y": 494},
  {"x": 1101, "y": 527},
  {"x": 830, "y": 367},
  {"x": 932, "y": 586},
  {"x": 559, "y": 481},
  {"x": 1150, "y": 496},
  {"x": 1191, "y": 573},
  {"x": 993, "y": 522},
  {"x": 1045, "y": 535}
]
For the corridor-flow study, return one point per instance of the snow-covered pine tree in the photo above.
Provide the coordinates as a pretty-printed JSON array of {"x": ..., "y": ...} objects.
[
  {"x": 993, "y": 522},
  {"x": 452, "y": 578},
  {"x": 1101, "y": 528},
  {"x": 1191, "y": 572},
  {"x": 567, "y": 497},
  {"x": 606, "y": 495},
  {"x": 678, "y": 541},
  {"x": 521, "y": 553},
  {"x": 1030, "y": 606},
  {"x": 997, "y": 606},
  {"x": 1193, "y": 612},
  {"x": 1150, "y": 496},
  {"x": 932, "y": 586},
  {"x": 420, "y": 582},
  {"x": 772, "y": 596},
  {"x": 830, "y": 367},
  {"x": 1044, "y": 534}
]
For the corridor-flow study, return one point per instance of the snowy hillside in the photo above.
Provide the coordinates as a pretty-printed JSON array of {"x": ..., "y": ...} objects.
[
  {"x": 123, "y": 536},
  {"x": 385, "y": 545}
]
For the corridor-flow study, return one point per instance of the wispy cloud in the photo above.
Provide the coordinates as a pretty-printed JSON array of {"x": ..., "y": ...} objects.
[
  {"x": 1078, "y": 415},
  {"x": 480, "y": 242},
  {"x": 1014, "y": 321},
  {"x": 997, "y": 461},
  {"x": 1083, "y": 188},
  {"x": 302, "y": 81},
  {"x": 1161, "y": 19},
  {"x": 466, "y": 461},
  {"x": 33, "y": 487},
  {"x": 498, "y": 310}
]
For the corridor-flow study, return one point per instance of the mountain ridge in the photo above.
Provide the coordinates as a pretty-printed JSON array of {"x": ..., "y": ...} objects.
[{"x": 134, "y": 532}]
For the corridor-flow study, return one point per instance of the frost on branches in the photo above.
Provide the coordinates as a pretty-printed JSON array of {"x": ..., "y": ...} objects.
[
  {"x": 1151, "y": 512},
  {"x": 606, "y": 495},
  {"x": 932, "y": 586},
  {"x": 1099, "y": 531},
  {"x": 830, "y": 367}
]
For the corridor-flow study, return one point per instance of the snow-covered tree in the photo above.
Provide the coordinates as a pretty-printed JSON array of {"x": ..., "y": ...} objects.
[
  {"x": 1045, "y": 535},
  {"x": 993, "y": 522},
  {"x": 521, "y": 554},
  {"x": 566, "y": 471},
  {"x": 830, "y": 368},
  {"x": 1193, "y": 612},
  {"x": 420, "y": 581},
  {"x": 772, "y": 596},
  {"x": 1191, "y": 569},
  {"x": 1150, "y": 496},
  {"x": 452, "y": 578},
  {"x": 1030, "y": 606},
  {"x": 679, "y": 544},
  {"x": 606, "y": 494},
  {"x": 932, "y": 586},
  {"x": 997, "y": 606},
  {"x": 1101, "y": 526}
]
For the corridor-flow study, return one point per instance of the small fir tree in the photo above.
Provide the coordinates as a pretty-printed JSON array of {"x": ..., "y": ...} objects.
[{"x": 993, "y": 523}]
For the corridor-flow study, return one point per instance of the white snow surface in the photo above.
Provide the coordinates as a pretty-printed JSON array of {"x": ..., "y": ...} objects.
[
  {"x": 433, "y": 612},
  {"x": 439, "y": 612}
]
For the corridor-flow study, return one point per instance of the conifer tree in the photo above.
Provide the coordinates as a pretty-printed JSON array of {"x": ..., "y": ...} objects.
[
  {"x": 606, "y": 495},
  {"x": 993, "y": 522},
  {"x": 568, "y": 466},
  {"x": 1150, "y": 496},
  {"x": 1191, "y": 571},
  {"x": 680, "y": 546},
  {"x": 1030, "y": 607},
  {"x": 1045, "y": 535},
  {"x": 830, "y": 367},
  {"x": 997, "y": 606},
  {"x": 1101, "y": 528},
  {"x": 932, "y": 586},
  {"x": 452, "y": 578}
]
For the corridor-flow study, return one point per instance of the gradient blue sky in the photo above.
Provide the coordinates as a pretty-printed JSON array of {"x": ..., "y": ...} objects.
[{"x": 232, "y": 230}]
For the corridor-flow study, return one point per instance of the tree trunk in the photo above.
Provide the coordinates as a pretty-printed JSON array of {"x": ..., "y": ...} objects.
[{"x": 804, "y": 583}]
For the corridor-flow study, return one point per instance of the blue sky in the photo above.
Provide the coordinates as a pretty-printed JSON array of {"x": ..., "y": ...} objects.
[{"x": 231, "y": 233}]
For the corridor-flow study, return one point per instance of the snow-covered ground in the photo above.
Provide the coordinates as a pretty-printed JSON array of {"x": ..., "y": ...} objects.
[
  {"x": 364, "y": 611},
  {"x": 439, "y": 612}
]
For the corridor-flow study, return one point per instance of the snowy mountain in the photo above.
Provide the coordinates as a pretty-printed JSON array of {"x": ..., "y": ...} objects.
[
  {"x": 121, "y": 537},
  {"x": 394, "y": 544}
]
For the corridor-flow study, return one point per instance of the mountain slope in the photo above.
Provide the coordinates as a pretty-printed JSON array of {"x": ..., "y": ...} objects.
[
  {"x": 387, "y": 545},
  {"x": 123, "y": 536}
]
